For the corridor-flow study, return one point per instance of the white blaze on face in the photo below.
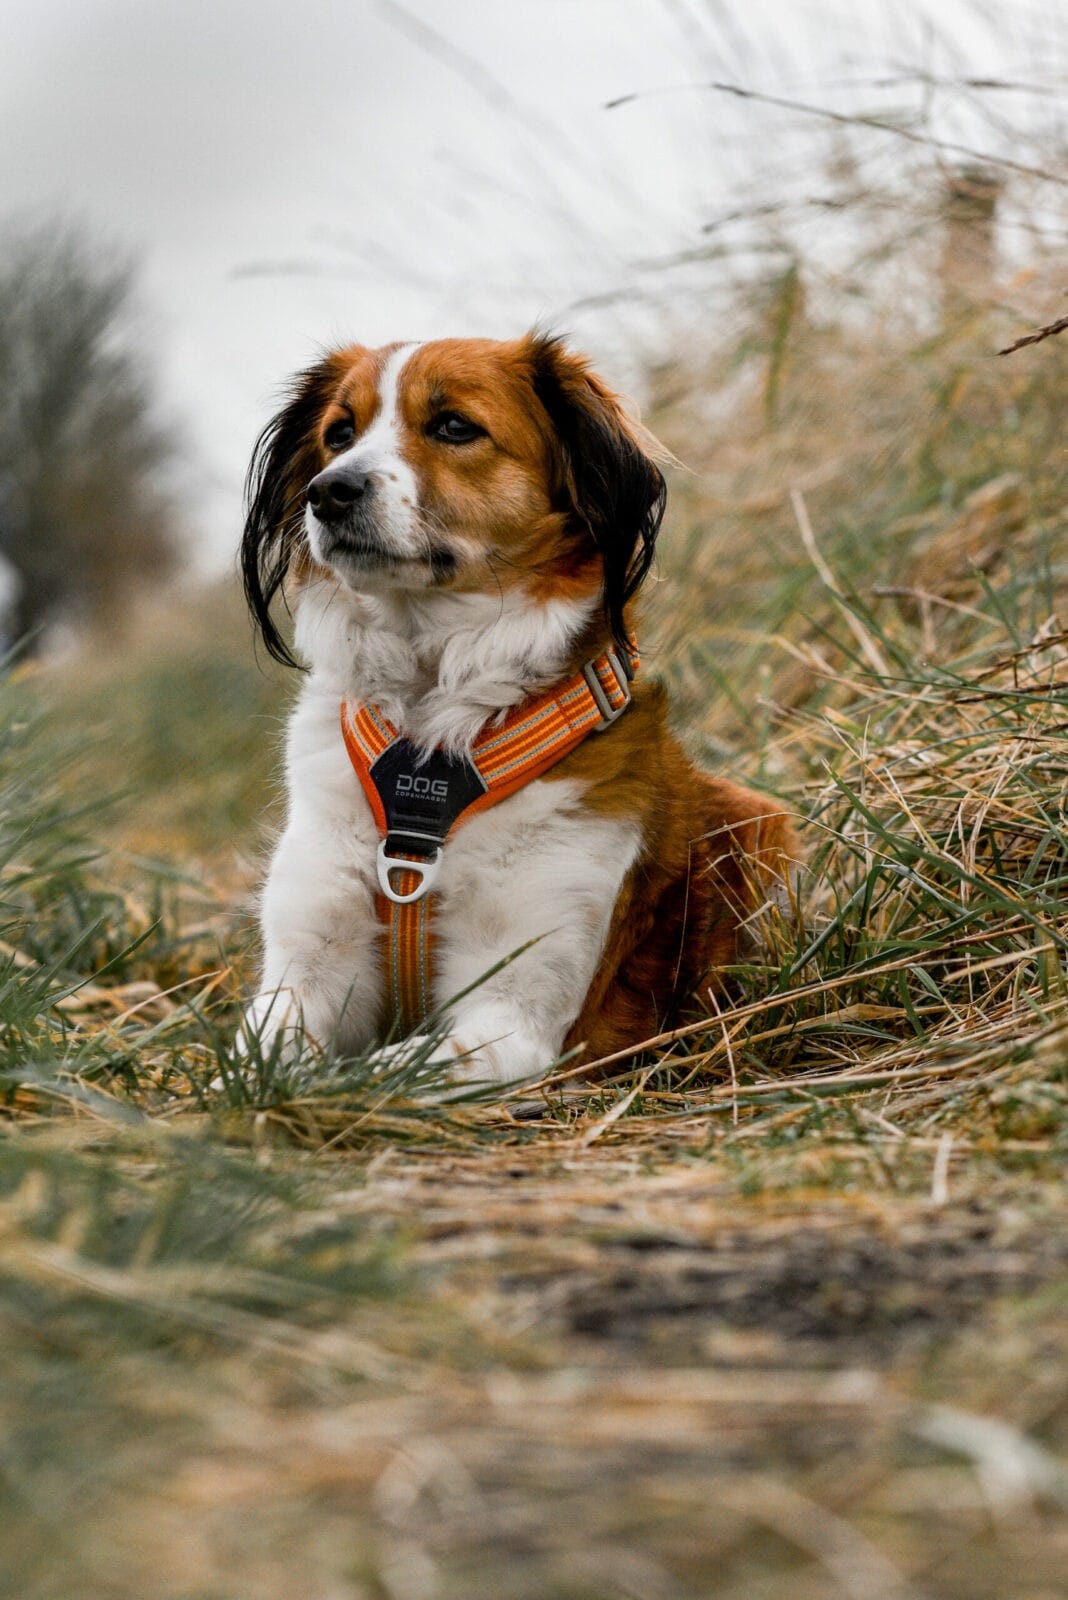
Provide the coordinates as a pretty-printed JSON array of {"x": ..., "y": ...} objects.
[{"x": 393, "y": 509}]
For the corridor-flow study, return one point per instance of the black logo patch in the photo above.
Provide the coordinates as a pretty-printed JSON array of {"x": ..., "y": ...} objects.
[{"x": 422, "y": 798}]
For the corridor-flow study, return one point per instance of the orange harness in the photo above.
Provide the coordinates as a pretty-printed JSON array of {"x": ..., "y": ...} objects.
[{"x": 420, "y": 800}]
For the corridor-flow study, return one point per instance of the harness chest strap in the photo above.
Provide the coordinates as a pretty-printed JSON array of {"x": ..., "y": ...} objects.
[{"x": 419, "y": 801}]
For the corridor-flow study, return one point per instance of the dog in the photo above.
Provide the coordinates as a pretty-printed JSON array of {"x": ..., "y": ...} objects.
[{"x": 488, "y": 822}]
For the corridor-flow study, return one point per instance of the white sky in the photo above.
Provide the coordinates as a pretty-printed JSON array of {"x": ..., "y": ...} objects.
[{"x": 417, "y": 196}]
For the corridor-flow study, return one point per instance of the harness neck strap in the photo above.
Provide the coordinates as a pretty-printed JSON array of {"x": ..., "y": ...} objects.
[{"x": 419, "y": 800}]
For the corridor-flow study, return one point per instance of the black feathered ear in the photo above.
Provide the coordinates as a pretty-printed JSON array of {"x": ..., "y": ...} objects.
[
  {"x": 615, "y": 489},
  {"x": 283, "y": 463}
]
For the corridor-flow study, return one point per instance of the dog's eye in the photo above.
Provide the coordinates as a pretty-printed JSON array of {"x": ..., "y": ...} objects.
[
  {"x": 339, "y": 434},
  {"x": 453, "y": 428}
]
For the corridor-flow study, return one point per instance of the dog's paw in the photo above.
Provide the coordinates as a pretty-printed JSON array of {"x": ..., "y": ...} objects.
[
  {"x": 441, "y": 1070},
  {"x": 273, "y": 1036}
]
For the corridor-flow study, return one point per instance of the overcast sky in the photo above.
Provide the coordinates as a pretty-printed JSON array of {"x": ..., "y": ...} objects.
[{"x": 291, "y": 174}]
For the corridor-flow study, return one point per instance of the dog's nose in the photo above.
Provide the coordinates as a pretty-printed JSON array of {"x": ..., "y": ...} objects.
[{"x": 334, "y": 492}]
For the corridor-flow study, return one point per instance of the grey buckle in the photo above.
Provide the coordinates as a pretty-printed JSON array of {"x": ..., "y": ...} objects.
[
  {"x": 426, "y": 871},
  {"x": 609, "y": 713}
]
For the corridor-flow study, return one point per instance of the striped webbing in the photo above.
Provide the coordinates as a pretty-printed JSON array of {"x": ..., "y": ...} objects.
[{"x": 530, "y": 739}]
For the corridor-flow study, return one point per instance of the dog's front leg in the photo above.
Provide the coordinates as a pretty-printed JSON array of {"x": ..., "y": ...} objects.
[
  {"x": 533, "y": 877},
  {"x": 322, "y": 982}
]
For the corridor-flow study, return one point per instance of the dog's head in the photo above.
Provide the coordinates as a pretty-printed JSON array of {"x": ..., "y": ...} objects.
[{"x": 464, "y": 464}]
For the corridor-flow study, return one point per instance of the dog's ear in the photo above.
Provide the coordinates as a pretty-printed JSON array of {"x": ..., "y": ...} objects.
[
  {"x": 616, "y": 491},
  {"x": 283, "y": 463}
]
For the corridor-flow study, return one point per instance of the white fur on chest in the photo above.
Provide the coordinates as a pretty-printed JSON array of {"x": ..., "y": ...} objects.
[{"x": 439, "y": 666}]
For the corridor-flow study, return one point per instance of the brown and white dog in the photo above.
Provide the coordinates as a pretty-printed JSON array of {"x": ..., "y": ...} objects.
[{"x": 458, "y": 526}]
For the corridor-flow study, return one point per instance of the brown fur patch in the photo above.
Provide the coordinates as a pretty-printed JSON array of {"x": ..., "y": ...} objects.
[{"x": 710, "y": 849}]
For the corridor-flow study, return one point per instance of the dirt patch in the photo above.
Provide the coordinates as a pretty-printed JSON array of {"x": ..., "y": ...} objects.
[
  {"x": 675, "y": 1259},
  {"x": 858, "y": 1289}
]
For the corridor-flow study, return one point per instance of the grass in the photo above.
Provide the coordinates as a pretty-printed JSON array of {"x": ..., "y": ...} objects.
[{"x": 774, "y": 1304}]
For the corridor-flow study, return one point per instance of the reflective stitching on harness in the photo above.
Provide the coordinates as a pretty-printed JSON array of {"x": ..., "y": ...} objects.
[
  {"x": 421, "y": 801},
  {"x": 424, "y": 957}
]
